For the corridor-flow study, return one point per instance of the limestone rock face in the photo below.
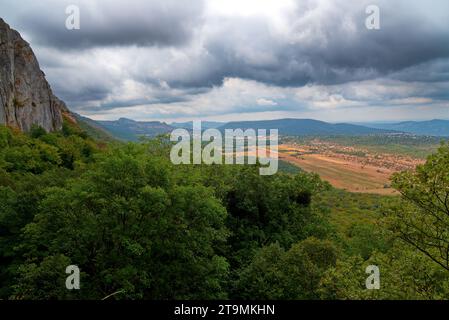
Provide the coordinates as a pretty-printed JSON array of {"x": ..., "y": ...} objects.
[{"x": 25, "y": 95}]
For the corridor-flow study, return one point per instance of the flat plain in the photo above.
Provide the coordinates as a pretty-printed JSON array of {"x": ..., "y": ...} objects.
[{"x": 346, "y": 167}]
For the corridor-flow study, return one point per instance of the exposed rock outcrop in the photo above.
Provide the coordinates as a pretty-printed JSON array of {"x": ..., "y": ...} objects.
[{"x": 25, "y": 95}]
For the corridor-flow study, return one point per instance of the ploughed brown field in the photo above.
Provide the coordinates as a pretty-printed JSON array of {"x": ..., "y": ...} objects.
[{"x": 348, "y": 168}]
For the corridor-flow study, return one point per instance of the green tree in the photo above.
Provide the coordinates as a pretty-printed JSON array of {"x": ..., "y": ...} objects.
[
  {"x": 294, "y": 274},
  {"x": 129, "y": 230},
  {"x": 404, "y": 274},
  {"x": 422, "y": 219}
]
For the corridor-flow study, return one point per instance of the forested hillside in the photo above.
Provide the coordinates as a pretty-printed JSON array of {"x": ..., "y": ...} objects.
[{"x": 141, "y": 228}]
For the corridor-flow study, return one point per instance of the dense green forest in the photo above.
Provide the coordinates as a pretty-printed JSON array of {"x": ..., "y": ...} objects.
[{"x": 142, "y": 228}]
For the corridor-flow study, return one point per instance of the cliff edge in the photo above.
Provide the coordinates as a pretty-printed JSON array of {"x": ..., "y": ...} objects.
[{"x": 25, "y": 95}]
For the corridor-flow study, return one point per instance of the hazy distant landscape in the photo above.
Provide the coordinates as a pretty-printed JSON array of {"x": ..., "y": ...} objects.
[
  {"x": 351, "y": 157},
  {"x": 131, "y": 130},
  {"x": 355, "y": 158}
]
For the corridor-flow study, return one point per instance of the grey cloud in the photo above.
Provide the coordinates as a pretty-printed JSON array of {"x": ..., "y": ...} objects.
[
  {"x": 433, "y": 71},
  {"x": 331, "y": 53},
  {"x": 112, "y": 23},
  {"x": 76, "y": 97},
  {"x": 133, "y": 103},
  {"x": 326, "y": 43}
]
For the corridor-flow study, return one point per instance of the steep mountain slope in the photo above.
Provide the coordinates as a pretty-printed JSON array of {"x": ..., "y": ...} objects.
[
  {"x": 93, "y": 129},
  {"x": 25, "y": 96},
  {"x": 130, "y": 130},
  {"x": 305, "y": 127}
]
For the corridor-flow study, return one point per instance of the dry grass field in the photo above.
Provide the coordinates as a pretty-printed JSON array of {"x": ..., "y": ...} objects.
[{"x": 347, "y": 168}]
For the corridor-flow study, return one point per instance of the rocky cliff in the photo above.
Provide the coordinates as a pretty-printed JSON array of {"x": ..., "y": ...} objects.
[{"x": 25, "y": 95}]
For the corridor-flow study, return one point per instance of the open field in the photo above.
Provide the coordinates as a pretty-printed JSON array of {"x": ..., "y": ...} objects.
[
  {"x": 348, "y": 168},
  {"x": 344, "y": 175},
  {"x": 418, "y": 147}
]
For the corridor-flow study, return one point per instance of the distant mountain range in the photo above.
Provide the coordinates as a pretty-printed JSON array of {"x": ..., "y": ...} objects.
[
  {"x": 294, "y": 127},
  {"x": 437, "y": 128},
  {"x": 130, "y": 130},
  {"x": 204, "y": 125}
]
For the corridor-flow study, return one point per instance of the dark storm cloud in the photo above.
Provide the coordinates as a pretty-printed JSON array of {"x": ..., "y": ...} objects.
[
  {"x": 327, "y": 43},
  {"x": 433, "y": 71},
  {"x": 82, "y": 95},
  {"x": 173, "y": 50},
  {"x": 336, "y": 48},
  {"x": 113, "y": 23},
  {"x": 136, "y": 102}
]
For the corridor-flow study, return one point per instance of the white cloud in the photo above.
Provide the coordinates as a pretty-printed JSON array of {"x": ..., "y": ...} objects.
[{"x": 266, "y": 102}]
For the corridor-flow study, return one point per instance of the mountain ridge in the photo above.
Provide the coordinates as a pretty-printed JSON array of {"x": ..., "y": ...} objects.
[
  {"x": 435, "y": 127},
  {"x": 130, "y": 130},
  {"x": 290, "y": 126}
]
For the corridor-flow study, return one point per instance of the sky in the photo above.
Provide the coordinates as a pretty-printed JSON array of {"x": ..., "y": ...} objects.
[{"x": 226, "y": 60}]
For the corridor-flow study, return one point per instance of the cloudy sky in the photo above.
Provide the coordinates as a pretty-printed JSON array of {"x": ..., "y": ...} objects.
[{"x": 176, "y": 60}]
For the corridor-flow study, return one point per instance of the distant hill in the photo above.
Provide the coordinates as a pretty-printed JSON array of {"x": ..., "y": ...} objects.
[
  {"x": 93, "y": 129},
  {"x": 204, "y": 125},
  {"x": 437, "y": 128},
  {"x": 130, "y": 130},
  {"x": 308, "y": 127}
]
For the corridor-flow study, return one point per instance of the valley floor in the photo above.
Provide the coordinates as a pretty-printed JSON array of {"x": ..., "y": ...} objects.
[{"x": 348, "y": 168}]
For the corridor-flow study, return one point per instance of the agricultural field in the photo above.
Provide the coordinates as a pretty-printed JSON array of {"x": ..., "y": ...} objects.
[
  {"x": 358, "y": 164},
  {"x": 398, "y": 144}
]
